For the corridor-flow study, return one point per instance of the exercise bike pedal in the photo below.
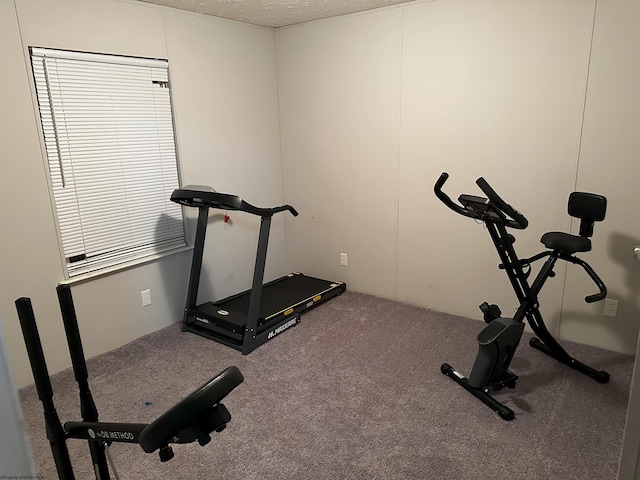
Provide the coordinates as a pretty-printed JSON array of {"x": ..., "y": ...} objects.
[
  {"x": 491, "y": 312},
  {"x": 497, "y": 386},
  {"x": 165, "y": 453},
  {"x": 511, "y": 383}
]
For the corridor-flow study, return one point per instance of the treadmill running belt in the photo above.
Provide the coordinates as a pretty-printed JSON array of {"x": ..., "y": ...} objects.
[{"x": 278, "y": 295}]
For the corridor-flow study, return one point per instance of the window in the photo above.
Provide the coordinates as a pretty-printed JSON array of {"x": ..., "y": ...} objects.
[{"x": 109, "y": 141}]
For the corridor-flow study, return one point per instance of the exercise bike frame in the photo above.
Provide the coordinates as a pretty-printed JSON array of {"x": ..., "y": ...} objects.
[{"x": 497, "y": 215}]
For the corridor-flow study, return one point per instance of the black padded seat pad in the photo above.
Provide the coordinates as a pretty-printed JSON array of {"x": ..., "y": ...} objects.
[{"x": 566, "y": 242}]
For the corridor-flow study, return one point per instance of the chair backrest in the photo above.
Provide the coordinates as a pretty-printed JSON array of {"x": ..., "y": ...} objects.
[{"x": 589, "y": 208}]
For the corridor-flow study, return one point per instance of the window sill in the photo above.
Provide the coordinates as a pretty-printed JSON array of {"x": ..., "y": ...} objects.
[{"x": 125, "y": 266}]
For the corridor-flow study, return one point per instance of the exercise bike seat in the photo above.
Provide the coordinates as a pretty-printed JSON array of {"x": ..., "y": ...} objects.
[
  {"x": 566, "y": 242},
  {"x": 200, "y": 412},
  {"x": 589, "y": 208}
]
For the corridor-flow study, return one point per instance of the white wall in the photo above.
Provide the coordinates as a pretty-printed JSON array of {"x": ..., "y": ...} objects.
[
  {"x": 374, "y": 106},
  {"x": 612, "y": 116},
  {"x": 226, "y": 104},
  {"x": 15, "y": 454},
  {"x": 223, "y": 78},
  {"x": 339, "y": 88},
  {"x": 478, "y": 99},
  {"x": 629, "y": 468},
  {"x": 610, "y": 163}
]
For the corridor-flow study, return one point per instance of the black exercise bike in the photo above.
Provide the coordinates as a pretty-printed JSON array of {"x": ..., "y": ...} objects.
[{"x": 499, "y": 339}]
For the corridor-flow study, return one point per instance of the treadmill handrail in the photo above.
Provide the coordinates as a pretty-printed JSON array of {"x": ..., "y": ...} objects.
[{"x": 203, "y": 196}]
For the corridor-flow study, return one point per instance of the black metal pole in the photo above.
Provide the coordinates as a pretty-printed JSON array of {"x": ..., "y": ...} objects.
[
  {"x": 88, "y": 408},
  {"x": 251, "y": 330},
  {"x": 55, "y": 432},
  {"x": 196, "y": 261}
]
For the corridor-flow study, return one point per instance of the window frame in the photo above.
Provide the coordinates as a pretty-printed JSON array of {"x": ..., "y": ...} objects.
[{"x": 177, "y": 242}]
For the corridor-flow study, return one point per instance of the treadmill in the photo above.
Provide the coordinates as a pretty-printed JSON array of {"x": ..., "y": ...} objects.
[{"x": 247, "y": 320}]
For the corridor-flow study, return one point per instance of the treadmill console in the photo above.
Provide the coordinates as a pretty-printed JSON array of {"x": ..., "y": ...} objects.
[{"x": 205, "y": 196}]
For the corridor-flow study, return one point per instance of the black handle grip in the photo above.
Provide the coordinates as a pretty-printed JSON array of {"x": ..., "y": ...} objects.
[
  {"x": 519, "y": 221},
  {"x": 441, "y": 180},
  {"x": 602, "y": 293},
  {"x": 602, "y": 289},
  {"x": 35, "y": 352},
  {"x": 72, "y": 331},
  {"x": 283, "y": 208},
  {"x": 444, "y": 198}
]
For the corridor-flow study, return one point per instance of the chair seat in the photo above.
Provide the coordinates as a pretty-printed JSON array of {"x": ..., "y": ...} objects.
[{"x": 566, "y": 242}]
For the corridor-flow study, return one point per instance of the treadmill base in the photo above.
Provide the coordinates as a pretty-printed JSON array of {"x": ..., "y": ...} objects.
[{"x": 283, "y": 302}]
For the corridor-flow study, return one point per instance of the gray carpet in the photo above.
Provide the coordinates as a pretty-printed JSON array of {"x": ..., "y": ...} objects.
[{"x": 354, "y": 392}]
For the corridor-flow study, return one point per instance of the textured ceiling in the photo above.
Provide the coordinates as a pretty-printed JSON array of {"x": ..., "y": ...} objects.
[{"x": 275, "y": 13}]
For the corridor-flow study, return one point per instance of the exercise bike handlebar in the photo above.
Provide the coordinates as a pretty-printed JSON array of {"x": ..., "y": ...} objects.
[
  {"x": 602, "y": 288},
  {"x": 519, "y": 220},
  {"x": 601, "y": 295},
  {"x": 508, "y": 215},
  {"x": 444, "y": 198}
]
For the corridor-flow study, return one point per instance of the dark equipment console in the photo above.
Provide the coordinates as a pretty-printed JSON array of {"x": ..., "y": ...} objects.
[{"x": 247, "y": 320}]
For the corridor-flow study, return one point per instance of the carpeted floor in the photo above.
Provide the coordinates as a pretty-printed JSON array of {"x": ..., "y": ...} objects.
[{"x": 354, "y": 392}]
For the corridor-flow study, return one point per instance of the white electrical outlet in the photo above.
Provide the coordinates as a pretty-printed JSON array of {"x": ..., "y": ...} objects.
[
  {"x": 343, "y": 259},
  {"x": 610, "y": 307},
  {"x": 146, "y": 297}
]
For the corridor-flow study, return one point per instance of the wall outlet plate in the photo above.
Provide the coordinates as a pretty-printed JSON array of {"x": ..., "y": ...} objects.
[
  {"x": 610, "y": 307},
  {"x": 146, "y": 297}
]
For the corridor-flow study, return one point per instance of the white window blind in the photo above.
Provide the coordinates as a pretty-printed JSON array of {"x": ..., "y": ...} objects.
[{"x": 109, "y": 139}]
